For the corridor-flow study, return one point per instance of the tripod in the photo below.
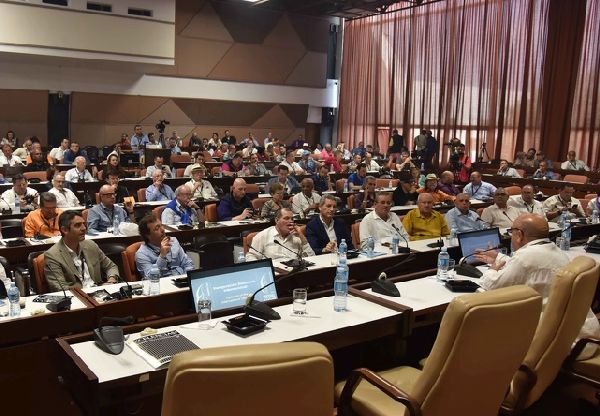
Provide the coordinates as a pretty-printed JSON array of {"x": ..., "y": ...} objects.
[{"x": 483, "y": 151}]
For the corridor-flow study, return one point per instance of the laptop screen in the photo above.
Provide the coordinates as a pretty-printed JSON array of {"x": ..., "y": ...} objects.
[
  {"x": 230, "y": 286},
  {"x": 478, "y": 240}
]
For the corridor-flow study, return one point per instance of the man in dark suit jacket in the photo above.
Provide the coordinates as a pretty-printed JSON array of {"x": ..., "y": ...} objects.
[{"x": 325, "y": 233}]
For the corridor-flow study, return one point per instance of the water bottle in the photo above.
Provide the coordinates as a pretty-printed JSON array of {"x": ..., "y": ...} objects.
[
  {"x": 346, "y": 187},
  {"x": 442, "y": 265},
  {"x": 17, "y": 209},
  {"x": 13, "y": 298},
  {"x": 566, "y": 232},
  {"x": 595, "y": 217},
  {"x": 340, "y": 286},
  {"x": 370, "y": 247},
  {"x": 452, "y": 239},
  {"x": 395, "y": 244},
  {"x": 154, "y": 277},
  {"x": 422, "y": 167},
  {"x": 343, "y": 249},
  {"x": 391, "y": 184},
  {"x": 116, "y": 225},
  {"x": 241, "y": 258}
]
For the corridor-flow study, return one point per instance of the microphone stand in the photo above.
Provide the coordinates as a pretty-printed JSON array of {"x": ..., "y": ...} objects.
[
  {"x": 469, "y": 270},
  {"x": 259, "y": 252},
  {"x": 385, "y": 287},
  {"x": 260, "y": 309},
  {"x": 402, "y": 250},
  {"x": 298, "y": 264},
  {"x": 60, "y": 305}
]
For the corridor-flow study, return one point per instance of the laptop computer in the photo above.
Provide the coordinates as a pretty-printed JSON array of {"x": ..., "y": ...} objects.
[
  {"x": 471, "y": 241},
  {"x": 129, "y": 159},
  {"x": 230, "y": 286}
]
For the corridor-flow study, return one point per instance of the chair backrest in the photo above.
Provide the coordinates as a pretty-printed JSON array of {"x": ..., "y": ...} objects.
[
  {"x": 97, "y": 197},
  {"x": 565, "y": 311},
  {"x": 182, "y": 158},
  {"x": 296, "y": 376},
  {"x": 350, "y": 201},
  {"x": 35, "y": 262},
  {"x": 576, "y": 178},
  {"x": 355, "y": 232},
  {"x": 158, "y": 211},
  {"x": 215, "y": 171},
  {"x": 11, "y": 228},
  {"x": 179, "y": 172},
  {"x": 207, "y": 156},
  {"x": 210, "y": 213},
  {"x": 384, "y": 183},
  {"x": 513, "y": 190},
  {"x": 42, "y": 176},
  {"x": 521, "y": 172},
  {"x": 248, "y": 241},
  {"x": 257, "y": 203},
  {"x": 92, "y": 153},
  {"x": 252, "y": 188},
  {"x": 591, "y": 196},
  {"x": 339, "y": 185},
  {"x": 482, "y": 340},
  {"x": 128, "y": 257},
  {"x": 84, "y": 215},
  {"x": 214, "y": 250},
  {"x": 141, "y": 195}
]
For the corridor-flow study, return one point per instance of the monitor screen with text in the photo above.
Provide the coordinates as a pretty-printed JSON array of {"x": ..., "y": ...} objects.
[{"x": 478, "y": 240}]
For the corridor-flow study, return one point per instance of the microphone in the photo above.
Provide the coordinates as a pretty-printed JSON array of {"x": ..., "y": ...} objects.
[
  {"x": 110, "y": 338},
  {"x": 385, "y": 287},
  {"x": 260, "y": 309},
  {"x": 259, "y": 252},
  {"x": 469, "y": 270},
  {"x": 401, "y": 250},
  {"x": 506, "y": 215},
  {"x": 125, "y": 292},
  {"x": 437, "y": 244},
  {"x": 63, "y": 304},
  {"x": 298, "y": 264}
]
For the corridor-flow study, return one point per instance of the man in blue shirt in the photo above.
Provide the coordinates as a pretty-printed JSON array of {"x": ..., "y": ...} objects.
[
  {"x": 461, "y": 218},
  {"x": 159, "y": 250},
  {"x": 235, "y": 205},
  {"x": 175, "y": 150},
  {"x": 357, "y": 179},
  {"x": 360, "y": 150},
  {"x": 290, "y": 184},
  {"x": 74, "y": 151},
  {"x": 138, "y": 140},
  {"x": 159, "y": 191},
  {"x": 478, "y": 189},
  {"x": 101, "y": 217},
  {"x": 322, "y": 181}
]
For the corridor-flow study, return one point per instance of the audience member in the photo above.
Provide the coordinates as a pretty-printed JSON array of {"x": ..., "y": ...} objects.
[
  {"x": 446, "y": 184},
  {"x": 355, "y": 163},
  {"x": 293, "y": 166},
  {"x": 112, "y": 165},
  {"x": 543, "y": 172},
  {"x": 506, "y": 170},
  {"x": 462, "y": 165},
  {"x": 201, "y": 188},
  {"x": 520, "y": 160},
  {"x": 10, "y": 139},
  {"x": 79, "y": 173},
  {"x": 153, "y": 142},
  {"x": 8, "y": 158},
  {"x": 371, "y": 165},
  {"x": 478, "y": 189},
  {"x": 500, "y": 214},
  {"x": 172, "y": 145},
  {"x": 406, "y": 192},
  {"x": 594, "y": 205},
  {"x": 102, "y": 216},
  {"x": 23, "y": 151},
  {"x": 308, "y": 163},
  {"x": 182, "y": 209},
  {"x": 270, "y": 208},
  {"x": 38, "y": 162},
  {"x": 418, "y": 176},
  {"x": 27, "y": 196},
  {"x": 396, "y": 144},
  {"x": 159, "y": 191},
  {"x": 564, "y": 201},
  {"x": 255, "y": 168},
  {"x": 525, "y": 203},
  {"x": 324, "y": 232},
  {"x": 289, "y": 183},
  {"x": 322, "y": 180},
  {"x": 431, "y": 187},
  {"x": 425, "y": 222},
  {"x": 530, "y": 157},
  {"x": 360, "y": 150},
  {"x": 381, "y": 223},
  {"x": 357, "y": 179},
  {"x": 138, "y": 140},
  {"x": 366, "y": 199},
  {"x": 43, "y": 222},
  {"x": 112, "y": 179},
  {"x": 159, "y": 166},
  {"x": 305, "y": 202},
  {"x": 572, "y": 163},
  {"x": 70, "y": 156},
  {"x": 57, "y": 153},
  {"x": 233, "y": 166},
  {"x": 461, "y": 218},
  {"x": 541, "y": 157},
  {"x": 236, "y": 205},
  {"x": 65, "y": 198}
]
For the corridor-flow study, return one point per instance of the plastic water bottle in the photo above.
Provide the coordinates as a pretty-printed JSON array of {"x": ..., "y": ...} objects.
[
  {"x": 154, "y": 277},
  {"x": 13, "y": 298},
  {"x": 452, "y": 239},
  {"x": 566, "y": 232},
  {"x": 241, "y": 258},
  {"x": 595, "y": 217},
  {"x": 370, "y": 247},
  {"x": 340, "y": 286},
  {"x": 343, "y": 249},
  {"x": 391, "y": 184},
  {"x": 116, "y": 226},
  {"x": 346, "y": 187},
  {"x": 17, "y": 209},
  {"x": 443, "y": 262},
  {"x": 395, "y": 244}
]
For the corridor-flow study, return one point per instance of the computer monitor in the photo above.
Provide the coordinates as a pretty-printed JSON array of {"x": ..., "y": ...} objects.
[
  {"x": 230, "y": 286},
  {"x": 129, "y": 159},
  {"x": 471, "y": 241}
]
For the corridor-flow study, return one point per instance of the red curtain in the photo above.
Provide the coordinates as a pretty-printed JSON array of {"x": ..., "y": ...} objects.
[{"x": 472, "y": 69}]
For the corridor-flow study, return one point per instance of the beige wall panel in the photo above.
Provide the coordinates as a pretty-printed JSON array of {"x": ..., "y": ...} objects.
[
  {"x": 284, "y": 36},
  {"x": 171, "y": 112},
  {"x": 274, "y": 118},
  {"x": 78, "y": 31},
  {"x": 185, "y": 12},
  {"x": 196, "y": 57},
  {"x": 112, "y": 109},
  {"x": 23, "y": 106},
  {"x": 207, "y": 112},
  {"x": 24, "y": 128},
  {"x": 92, "y": 134},
  {"x": 310, "y": 71},
  {"x": 293, "y": 135},
  {"x": 207, "y": 25},
  {"x": 257, "y": 63}
]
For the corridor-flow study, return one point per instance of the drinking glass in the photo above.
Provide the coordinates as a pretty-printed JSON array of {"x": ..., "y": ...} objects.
[
  {"x": 204, "y": 313},
  {"x": 451, "y": 271},
  {"x": 299, "y": 297},
  {"x": 560, "y": 242}
]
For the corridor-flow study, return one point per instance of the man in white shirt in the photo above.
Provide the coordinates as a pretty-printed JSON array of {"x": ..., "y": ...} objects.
[
  {"x": 500, "y": 214},
  {"x": 23, "y": 152},
  {"x": 506, "y": 170},
  {"x": 27, "y": 196},
  {"x": 534, "y": 262},
  {"x": 57, "y": 153},
  {"x": 525, "y": 202},
  {"x": 572, "y": 163},
  {"x": 290, "y": 162},
  {"x": 268, "y": 139},
  {"x": 200, "y": 187},
  {"x": 307, "y": 200},
  {"x": 370, "y": 163},
  {"x": 158, "y": 165},
  {"x": 284, "y": 233},
  {"x": 381, "y": 224},
  {"x": 563, "y": 201},
  {"x": 7, "y": 157},
  {"x": 79, "y": 173},
  {"x": 153, "y": 142},
  {"x": 65, "y": 198}
]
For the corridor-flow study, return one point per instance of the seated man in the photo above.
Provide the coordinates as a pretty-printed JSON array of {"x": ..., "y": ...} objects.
[
  {"x": 23, "y": 151},
  {"x": 572, "y": 163},
  {"x": 425, "y": 222},
  {"x": 38, "y": 161},
  {"x": 43, "y": 222},
  {"x": 306, "y": 201},
  {"x": 543, "y": 172},
  {"x": 57, "y": 153},
  {"x": 366, "y": 198},
  {"x": 371, "y": 165},
  {"x": 200, "y": 187},
  {"x": 506, "y": 170},
  {"x": 254, "y": 168},
  {"x": 308, "y": 163},
  {"x": 563, "y": 202},
  {"x": 233, "y": 166},
  {"x": 322, "y": 181},
  {"x": 65, "y": 198},
  {"x": 172, "y": 145},
  {"x": 289, "y": 183},
  {"x": 7, "y": 157},
  {"x": 160, "y": 250},
  {"x": 112, "y": 179},
  {"x": 500, "y": 214},
  {"x": 357, "y": 179},
  {"x": 79, "y": 173},
  {"x": 235, "y": 205},
  {"x": 478, "y": 189},
  {"x": 103, "y": 215},
  {"x": 74, "y": 152},
  {"x": 525, "y": 203},
  {"x": 159, "y": 191},
  {"x": 461, "y": 218},
  {"x": 355, "y": 163},
  {"x": 324, "y": 232},
  {"x": 381, "y": 223},
  {"x": 182, "y": 209},
  {"x": 75, "y": 261},
  {"x": 158, "y": 166},
  {"x": 27, "y": 196},
  {"x": 406, "y": 192},
  {"x": 431, "y": 188},
  {"x": 290, "y": 163},
  {"x": 268, "y": 243},
  {"x": 446, "y": 184},
  {"x": 534, "y": 262}
]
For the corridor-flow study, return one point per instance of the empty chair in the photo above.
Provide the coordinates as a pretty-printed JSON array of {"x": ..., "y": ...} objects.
[
  {"x": 385, "y": 183},
  {"x": 35, "y": 262},
  {"x": 182, "y": 158},
  {"x": 141, "y": 195},
  {"x": 11, "y": 228},
  {"x": 576, "y": 178},
  {"x": 128, "y": 258},
  {"x": 210, "y": 213},
  {"x": 355, "y": 232},
  {"x": 291, "y": 378},
  {"x": 513, "y": 190},
  {"x": 214, "y": 250},
  {"x": 482, "y": 340}
]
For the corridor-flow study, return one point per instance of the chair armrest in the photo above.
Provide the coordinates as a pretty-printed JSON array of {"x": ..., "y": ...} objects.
[
  {"x": 519, "y": 404},
  {"x": 578, "y": 348},
  {"x": 385, "y": 386}
]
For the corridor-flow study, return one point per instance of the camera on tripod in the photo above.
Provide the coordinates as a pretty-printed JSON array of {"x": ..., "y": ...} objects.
[{"x": 162, "y": 125}]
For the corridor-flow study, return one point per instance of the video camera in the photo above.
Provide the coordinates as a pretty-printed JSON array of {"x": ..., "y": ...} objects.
[{"x": 162, "y": 125}]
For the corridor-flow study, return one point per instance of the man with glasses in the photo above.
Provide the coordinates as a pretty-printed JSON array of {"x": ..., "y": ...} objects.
[
  {"x": 65, "y": 198},
  {"x": 101, "y": 217},
  {"x": 182, "y": 210},
  {"x": 478, "y": 189},
  {"x": 159, "y": 191},
  {"x": 112, "y": 179},
  {"x": 424, "y": 222},
  {"x": 43, "y": 222},
  {"x": 381, "y": 223},
  {"x": 534, "y": 262},
  {"x": 406, "y": 192},
  {"x": 500, "y": 214},
  {"x": 525, "y": 202},
  {"x": 564, "y": 201},
  {"x": 38, "y": 162},
  {"x": 461, "y": 218},
  {"x": 79, "y": 173},
  {"x": 201, "y": 188}
]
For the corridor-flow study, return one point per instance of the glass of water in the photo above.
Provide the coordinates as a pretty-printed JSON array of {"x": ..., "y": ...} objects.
[
  {"x": 299, "y": 296},
  {"x": 451, "y": 271},
  {"x": 204, "y": 312}
]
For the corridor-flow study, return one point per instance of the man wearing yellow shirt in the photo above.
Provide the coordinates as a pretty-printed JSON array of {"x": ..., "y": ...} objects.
[
  {"x": 43, "y": 222},
  {"x": 424, "y": 222}
]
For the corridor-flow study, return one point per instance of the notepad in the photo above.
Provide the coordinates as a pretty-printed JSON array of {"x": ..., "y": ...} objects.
[{"x": 159, "y": 349}]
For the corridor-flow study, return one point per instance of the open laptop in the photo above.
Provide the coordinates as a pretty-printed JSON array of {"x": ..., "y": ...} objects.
[
  {"x": 230, "y": 286},
  {"x": 471, "y": 241}
]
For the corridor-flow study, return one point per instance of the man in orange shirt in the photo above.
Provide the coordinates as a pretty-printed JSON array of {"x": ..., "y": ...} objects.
[{"x": 43, "y": 222}]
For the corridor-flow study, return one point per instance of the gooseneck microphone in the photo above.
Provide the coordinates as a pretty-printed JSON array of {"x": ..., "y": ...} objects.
[
  {"x": 259, "y": 252},
  {"x": 63, "y": 304},
  {"x": 466, "y": 269},
  {"x": 401, "y": 250},
  {"x": 298, "y": 264},
  {"x": 260, "y": 309},
  {"x": 385, "y": 287},
  {"x": 126, "y": 292}
]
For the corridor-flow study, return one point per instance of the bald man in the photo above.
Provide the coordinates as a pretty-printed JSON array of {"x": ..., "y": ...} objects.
[
  {"x": 425, "y": 222},
  {"x": 306, "y": 201},
  {"x": 534, "y": 263},
  {"x": 101, "y": 217},
  {"x": 235, "y": 205}
]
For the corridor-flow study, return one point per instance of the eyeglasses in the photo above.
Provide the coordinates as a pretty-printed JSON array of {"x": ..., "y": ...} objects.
[
  {"x": 108, "y": 194},
  {"x": 511, "y": 230}
]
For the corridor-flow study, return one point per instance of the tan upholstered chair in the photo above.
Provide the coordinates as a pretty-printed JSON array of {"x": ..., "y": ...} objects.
[
  {"x": 355, "y": 233},
  {"x": 482, "y": 340},
  {"x": 210, "y": 213},
  {"x": 513, "y": 190},
  {"x": 291, "y": 378},
  {"x": 247, "y": 241},
  {"x": 569, "y": 301},
  {"x": 575, "y": 178},
  {"x": 128, "y": 258}
]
